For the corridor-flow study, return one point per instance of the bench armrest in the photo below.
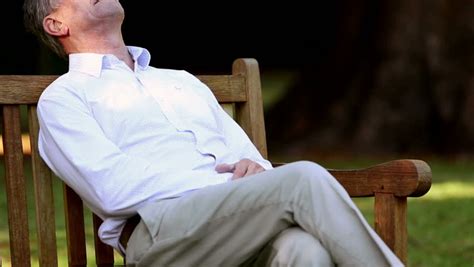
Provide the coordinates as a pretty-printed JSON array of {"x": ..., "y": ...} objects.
[{"x": 402, "y": 178}]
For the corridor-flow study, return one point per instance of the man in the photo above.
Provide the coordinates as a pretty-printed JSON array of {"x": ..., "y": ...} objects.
[{"x": 132, "y": 139}]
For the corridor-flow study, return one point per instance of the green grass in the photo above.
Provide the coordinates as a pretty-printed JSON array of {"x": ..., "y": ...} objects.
[{"x": 439, "y": 224}]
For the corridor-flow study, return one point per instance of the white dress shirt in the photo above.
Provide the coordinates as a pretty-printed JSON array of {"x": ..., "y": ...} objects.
[{"x": 122, "y": 138}]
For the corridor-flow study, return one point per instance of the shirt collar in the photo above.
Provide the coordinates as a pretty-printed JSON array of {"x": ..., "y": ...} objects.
[
  {"x": 140, "y": 55},
  {"x": 93, "y": 63}
]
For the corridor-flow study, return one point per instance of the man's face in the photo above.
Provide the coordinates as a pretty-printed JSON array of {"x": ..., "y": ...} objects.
[{"x": 86, "y": 15}]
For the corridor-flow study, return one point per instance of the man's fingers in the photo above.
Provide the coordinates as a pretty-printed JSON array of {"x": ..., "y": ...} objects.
[
  {"x": 240, "y": 170},
  {"x": 249, "y": 168},
  {"x": 253, "y": 169},
  {"x": 244, "y": 167},
  {"x": 224, "y": 167}
]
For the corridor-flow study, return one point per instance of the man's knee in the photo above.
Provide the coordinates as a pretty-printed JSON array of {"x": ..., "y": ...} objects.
[
  {"x": 310, "y": 172},
  {"x": 295, "y": 247}
]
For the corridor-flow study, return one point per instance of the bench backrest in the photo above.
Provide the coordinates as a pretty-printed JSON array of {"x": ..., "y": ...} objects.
[{"x": 239, "y": 92}]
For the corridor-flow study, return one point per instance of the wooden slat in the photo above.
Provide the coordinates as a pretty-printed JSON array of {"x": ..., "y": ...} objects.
[
  {"x": 26, "y": 89},
  {"x": 23, "y": 89},
  {"x": 226, "y": 88},
  {"x": 250, "y": 114},
  {"x": 16, "y": 187},
  {"x": 400, "y": 177},
  {"x": 76, "y": 238},
  {"x": 104, "y": 254},
  {"x": 391, "y": 222},
  {"x": 44, "y": 202}
]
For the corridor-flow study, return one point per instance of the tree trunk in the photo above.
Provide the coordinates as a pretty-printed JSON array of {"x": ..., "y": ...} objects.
[{"x": 399, "y": 80}]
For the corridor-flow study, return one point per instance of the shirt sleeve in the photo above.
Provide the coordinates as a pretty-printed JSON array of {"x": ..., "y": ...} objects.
[
  {"x": 236, "y": 138},
  {"x": 111, "y": 182}
]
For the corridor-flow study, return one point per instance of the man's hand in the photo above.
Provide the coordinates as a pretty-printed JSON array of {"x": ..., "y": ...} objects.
[{"x": 244, "y": 167}]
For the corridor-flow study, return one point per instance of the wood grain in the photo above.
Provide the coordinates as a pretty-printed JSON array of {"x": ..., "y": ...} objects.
[
  {"x": 390, "y": 217},
  {"x": 44, "y": 202},
  {"x": 75, "y": 234},
  {"x": 104, "y": 254},
  {"x": 15, "y": 185},
  {"x": 400, "y": 177},
  {"x": 249, "y": 114},
  {"x": 26, "y": 89}
]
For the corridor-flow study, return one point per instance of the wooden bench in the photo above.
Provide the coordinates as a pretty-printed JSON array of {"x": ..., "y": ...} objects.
[{"x": 390, "y": 183}]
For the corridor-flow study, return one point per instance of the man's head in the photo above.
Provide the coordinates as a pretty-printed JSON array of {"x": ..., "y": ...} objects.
[
  {"x": 68, "y": 25},
  {"x": 34, "y": 13}
]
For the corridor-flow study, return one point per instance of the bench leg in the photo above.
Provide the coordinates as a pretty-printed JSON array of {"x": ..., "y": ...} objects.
[{"x": 391, "y": 222}]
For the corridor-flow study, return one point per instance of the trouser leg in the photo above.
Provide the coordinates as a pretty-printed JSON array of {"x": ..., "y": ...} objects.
[
  {"x": 224, "y": 225},
  {"x": 292, "y": 247}
]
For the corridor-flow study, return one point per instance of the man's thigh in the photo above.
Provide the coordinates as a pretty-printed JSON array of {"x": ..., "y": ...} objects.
[{"x": 219, "y": 225}]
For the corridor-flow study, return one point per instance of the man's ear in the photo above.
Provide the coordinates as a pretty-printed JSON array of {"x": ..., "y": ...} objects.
[{"x": 54, "y": 27}]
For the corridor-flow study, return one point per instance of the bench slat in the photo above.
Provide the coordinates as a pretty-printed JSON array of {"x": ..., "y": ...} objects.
[
  {"x": 76, "y": 237},
  {"x": 26, "y": 89},
  {"x": 104, "y": 254},
  {"x": 16, "y": 187},
  {"x": 44, "y": 202},
  {"x": 23, "y": 89},
  {"x": 226, "y": 88}
]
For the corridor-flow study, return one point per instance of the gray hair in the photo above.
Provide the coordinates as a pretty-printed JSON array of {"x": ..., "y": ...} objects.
[{"x": 34, "y": 13}]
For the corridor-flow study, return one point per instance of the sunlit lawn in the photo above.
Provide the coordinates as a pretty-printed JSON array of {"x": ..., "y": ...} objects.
[{"x": 440, "y": 224}]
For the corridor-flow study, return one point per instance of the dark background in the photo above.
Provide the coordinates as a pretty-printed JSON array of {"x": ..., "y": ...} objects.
[{"x": 369, "y": 77}]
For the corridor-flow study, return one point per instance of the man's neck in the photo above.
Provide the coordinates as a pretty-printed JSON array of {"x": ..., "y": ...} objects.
[{"x": 102, "y": 45}]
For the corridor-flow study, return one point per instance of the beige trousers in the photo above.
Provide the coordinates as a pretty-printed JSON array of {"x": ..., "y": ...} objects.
[{"x": 294, "y": 215}]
